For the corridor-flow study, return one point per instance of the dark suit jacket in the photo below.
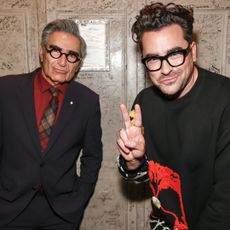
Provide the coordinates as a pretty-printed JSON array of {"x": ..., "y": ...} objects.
[{"x": 24, "y": 168}]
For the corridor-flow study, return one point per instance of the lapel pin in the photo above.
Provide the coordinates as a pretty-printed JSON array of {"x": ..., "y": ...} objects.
[{"x": 71, "y": 102}]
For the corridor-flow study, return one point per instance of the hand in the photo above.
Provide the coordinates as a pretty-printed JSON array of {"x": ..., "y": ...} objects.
[{"x": 131, "y": 142}]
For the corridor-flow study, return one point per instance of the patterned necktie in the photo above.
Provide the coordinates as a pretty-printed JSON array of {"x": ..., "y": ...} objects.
[{"x": 48, "y": 118}]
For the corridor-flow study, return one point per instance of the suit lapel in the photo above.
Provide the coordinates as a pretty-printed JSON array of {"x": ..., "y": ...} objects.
[
  {"x": 26, "y": 99},
  {"x": 68, "y": 107}
]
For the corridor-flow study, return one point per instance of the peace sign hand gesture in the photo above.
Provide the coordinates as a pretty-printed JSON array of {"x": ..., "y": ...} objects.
[{"x": 131, "y": 142}]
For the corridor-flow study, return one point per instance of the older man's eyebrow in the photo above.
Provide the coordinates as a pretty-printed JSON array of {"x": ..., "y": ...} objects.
[{"x": 60, "y": 49}]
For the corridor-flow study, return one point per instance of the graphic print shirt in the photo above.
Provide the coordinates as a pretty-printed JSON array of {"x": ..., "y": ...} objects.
[{"x": 188, "y": 149}]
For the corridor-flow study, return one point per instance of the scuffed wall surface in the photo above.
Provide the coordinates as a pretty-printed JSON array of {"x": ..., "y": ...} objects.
[{"x": 113, "y": 69}]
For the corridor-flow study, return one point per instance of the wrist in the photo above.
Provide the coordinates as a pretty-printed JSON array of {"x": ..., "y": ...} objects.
[
  {"x": 135, "y": 163},
  {"x": 137, "y": 175}
]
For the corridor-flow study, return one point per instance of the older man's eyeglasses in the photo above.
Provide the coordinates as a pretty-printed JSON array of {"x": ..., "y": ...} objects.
[
  {"x": 174, "y": 59},
  {"x": 55, "y": 52}
]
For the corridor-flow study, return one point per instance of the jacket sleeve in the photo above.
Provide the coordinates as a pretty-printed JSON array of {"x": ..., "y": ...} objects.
[
  {"x": 92, "y": 148},
  {"x": 216, "y": 214},
  {"x": 0, "y": 132},
  {"x": 90, "y": 161},
  {"x": 72, "y": 207}
]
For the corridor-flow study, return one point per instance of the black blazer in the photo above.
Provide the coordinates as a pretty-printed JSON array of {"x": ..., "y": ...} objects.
[{"x": 24, "y": 168}]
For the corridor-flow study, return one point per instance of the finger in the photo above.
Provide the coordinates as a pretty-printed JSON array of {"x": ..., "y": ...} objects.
[
  {"x": 122, "y": 148},
  {"x": 138, "y": 116},
  {"x": 123, "y": 135},
  {"x": 136, "y": 144},
  {"x": 125, "y": 116},
  {"x": 126, "y": 141},
  {"x": 127, "y": 157},
  {"x": 140, "y": 148}
]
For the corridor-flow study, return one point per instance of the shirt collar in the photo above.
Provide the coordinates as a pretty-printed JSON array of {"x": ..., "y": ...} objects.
[{"x": 44, "y": 85}]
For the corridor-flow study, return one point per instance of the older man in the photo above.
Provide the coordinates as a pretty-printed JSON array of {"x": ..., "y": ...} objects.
[{"x": 46, "y": 119}]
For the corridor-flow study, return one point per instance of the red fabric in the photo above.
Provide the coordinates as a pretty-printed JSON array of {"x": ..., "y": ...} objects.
[
  {"x": 163, "y": 178},
  {"x": 42, "y": 97}
]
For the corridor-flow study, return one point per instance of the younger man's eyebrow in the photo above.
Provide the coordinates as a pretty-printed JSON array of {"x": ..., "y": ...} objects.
[
  {"x": 174, "y": 49},
  {"x": 177, "y": 48}
]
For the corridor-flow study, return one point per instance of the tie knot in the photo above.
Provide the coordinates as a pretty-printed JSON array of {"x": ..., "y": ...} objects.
[{"x": 54, "y": 91}]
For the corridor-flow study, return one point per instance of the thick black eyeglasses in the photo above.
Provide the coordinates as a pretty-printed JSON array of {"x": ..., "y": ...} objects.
[
  {"x": 175, "y": 58},
  {"x": 55, "y": 52}
]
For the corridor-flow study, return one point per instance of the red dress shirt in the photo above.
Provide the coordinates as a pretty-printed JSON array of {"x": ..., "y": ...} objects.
[{"x": 42, "y": 97}]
